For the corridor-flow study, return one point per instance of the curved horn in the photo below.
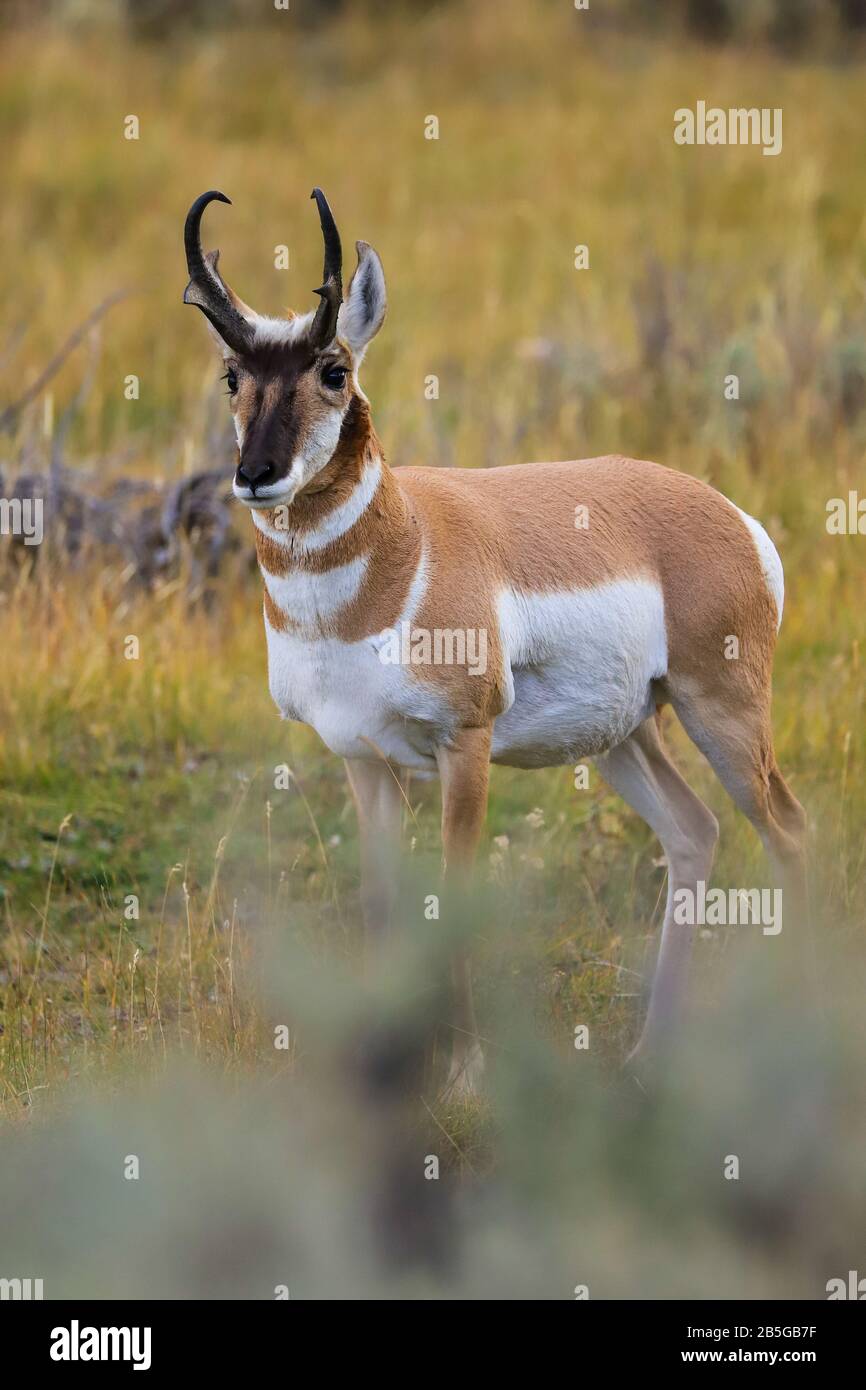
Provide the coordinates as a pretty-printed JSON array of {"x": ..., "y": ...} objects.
[
  {"x": 206, "y": 288},
  {"x": 333, "y": 249},
  {"x": 324, "y": 325}
]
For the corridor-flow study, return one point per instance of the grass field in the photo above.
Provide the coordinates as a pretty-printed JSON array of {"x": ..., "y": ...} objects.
[{"x": 155, "y": 777}]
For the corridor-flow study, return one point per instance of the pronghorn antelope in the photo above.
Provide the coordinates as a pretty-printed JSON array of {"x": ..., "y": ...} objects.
[{"x": 589, "y": 630}]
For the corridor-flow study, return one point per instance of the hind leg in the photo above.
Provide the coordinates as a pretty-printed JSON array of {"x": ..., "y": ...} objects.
[
  {"x": 734, "y": 734},
  {"x": 642, "y": 773}
]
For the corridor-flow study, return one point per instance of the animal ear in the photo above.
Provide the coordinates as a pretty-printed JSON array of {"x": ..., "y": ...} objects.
[{"x": 363, "y": 309}]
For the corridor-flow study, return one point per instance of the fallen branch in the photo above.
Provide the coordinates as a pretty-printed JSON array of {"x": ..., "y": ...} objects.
[{"x": 11, "y": 413}]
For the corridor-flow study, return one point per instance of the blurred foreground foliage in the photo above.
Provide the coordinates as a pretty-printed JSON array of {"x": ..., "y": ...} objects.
[{"x": 325, "y": 1171}]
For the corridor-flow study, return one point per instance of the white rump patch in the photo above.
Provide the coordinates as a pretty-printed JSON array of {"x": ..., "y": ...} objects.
[{"x": 770, "y": 562}]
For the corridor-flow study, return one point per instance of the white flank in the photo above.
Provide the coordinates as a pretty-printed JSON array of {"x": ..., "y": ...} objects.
[{"x": 581, "y": 665}]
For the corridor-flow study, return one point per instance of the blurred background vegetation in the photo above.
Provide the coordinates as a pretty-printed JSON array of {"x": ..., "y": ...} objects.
[{"x": 155, "y": 777}]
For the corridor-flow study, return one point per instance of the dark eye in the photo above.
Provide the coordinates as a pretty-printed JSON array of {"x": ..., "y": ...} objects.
[
  {"x": 334, "y": 377},
  {"x": 231, "y": 378}
]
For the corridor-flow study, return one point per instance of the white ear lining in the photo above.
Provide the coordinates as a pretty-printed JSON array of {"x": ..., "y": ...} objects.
[{"x": 363, "y": 309}]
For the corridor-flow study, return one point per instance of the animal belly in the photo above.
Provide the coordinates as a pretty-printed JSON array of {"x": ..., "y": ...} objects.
[
  {"x": 552, "y": 722},
  {"x": 583, "y": 673}
]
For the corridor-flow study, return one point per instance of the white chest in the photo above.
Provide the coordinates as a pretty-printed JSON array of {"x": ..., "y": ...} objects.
[{"x": 359, "y": 705}]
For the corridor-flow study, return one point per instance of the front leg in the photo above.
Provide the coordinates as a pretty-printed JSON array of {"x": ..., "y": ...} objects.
[
  {"x": 464, "y": 769},
  {"x": 379, "y": 798}
]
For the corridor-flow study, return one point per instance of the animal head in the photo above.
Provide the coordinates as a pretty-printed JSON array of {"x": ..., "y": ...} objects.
[{"x": 291, "y": 381}]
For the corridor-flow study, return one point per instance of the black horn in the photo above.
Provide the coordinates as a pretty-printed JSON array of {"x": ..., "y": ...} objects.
[
  {"x": 331, "y": 290},
  {"x": 206, "y": 288}
]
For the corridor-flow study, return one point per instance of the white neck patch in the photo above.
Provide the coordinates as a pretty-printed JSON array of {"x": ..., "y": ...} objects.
[
  {"x": 336, "y": 523},
  {"x": 313, "y": 599}
]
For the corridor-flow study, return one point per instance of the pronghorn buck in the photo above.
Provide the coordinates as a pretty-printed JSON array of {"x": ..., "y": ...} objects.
[{"x": 581, "y": 632}]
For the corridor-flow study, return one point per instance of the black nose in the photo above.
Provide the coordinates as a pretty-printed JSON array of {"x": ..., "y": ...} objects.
[{"x": 253, "y": 472}]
